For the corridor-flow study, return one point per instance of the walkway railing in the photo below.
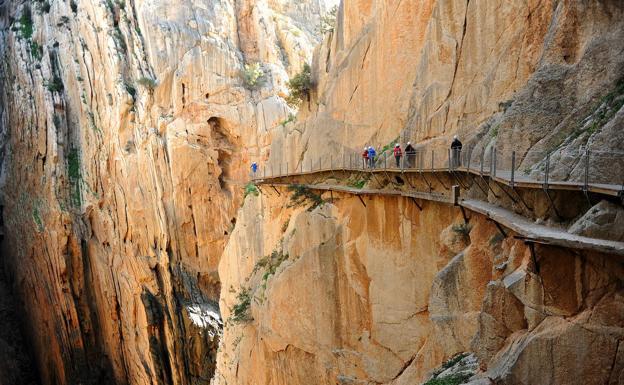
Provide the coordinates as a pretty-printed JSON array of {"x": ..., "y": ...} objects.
[{"x": 587, "y": 170}]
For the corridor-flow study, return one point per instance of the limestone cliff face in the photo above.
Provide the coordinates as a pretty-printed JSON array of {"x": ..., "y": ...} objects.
[
  {"x": 385, "y": 293},
  {"x": 528, "y": 75},
  {"x": 126, "y": 130}
]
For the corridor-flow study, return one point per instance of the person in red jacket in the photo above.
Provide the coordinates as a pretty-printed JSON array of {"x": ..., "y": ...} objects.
[
  {"x": 397, "y": 155},
  {"x": 365, "y": 157}
]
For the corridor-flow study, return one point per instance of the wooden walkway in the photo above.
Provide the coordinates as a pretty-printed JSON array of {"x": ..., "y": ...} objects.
[
  {"x": 524, "y": 229},
  {"x": 503, "y": 177}
]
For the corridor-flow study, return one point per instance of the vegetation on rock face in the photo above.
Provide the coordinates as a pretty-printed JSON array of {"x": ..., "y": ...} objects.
[
  {"x": 26, "y": 24},
  {"x": 130, "y": 89},
  {"x": 302, "y": 194},
  {"x": 241, "y": 312},
  {"x": 608, "y": 107},
  {"x": 36, "y": 50},
  {"x": 55, "y": 84},
  {"x": 253, "y": 76},
  {"x": 73, "y": 171},
  {"x": 251, "y": 188},
  {"x": 291, "y": 118},
  {"x": 299, "y": 87},
  {"x": 37, "y": 218},
  {"x": 148, "y": 82},
  {"x": 328, "y": 21},
  {"x": 461, "y": 371},
  {"x": 462, "y": 229}
]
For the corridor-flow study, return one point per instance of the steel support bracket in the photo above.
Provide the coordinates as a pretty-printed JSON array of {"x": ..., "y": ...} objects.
[
  {"x": 499, "y": 227},
  {"x": 416, "y": 203}
]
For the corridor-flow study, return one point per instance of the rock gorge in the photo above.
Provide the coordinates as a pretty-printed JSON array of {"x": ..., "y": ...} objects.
[{"x": 135, "y": 255}]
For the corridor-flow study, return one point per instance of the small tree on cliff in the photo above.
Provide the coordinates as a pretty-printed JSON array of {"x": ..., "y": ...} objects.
[
  {"x": 299, "y": 87},
  {"x": 328, "y": 21}
]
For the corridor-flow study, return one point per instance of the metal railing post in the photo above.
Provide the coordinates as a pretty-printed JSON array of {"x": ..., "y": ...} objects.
[
  {"x": 450, "y": 155},
  {"x": 331, "y": 161},
  {"x": 286, "y": 168},
  {"x": 431, "y": 160},
  {"x": 547, "y": 171},
  {"x": 482, "y": 160},
  {"x": 586, "y": 182},
  {"x": 264, "y": 172},
  {"x": 320, "y": 164},
  {"x": 469, "y": 155},
  {"x": 495, "y": 161},
  {"x": 513, "y": 167}
]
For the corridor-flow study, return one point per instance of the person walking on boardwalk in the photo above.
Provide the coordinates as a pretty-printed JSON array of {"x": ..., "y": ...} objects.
[
  {"x": 456, "y": 147},
  {"x": 365, "y": 157},
  {"x": 410, "y": 152},
  {"x": 397, "y": 155},
  {"x": 371, "y": 156},
  {"x": 254, "y": 169}
]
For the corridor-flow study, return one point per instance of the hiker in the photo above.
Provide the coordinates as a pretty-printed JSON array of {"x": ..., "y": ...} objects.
[
  {"x": 254, "y": 168},
  {"x": 410, "y": 152},
  {"x": 365, "y": 157},
  {"x": 371, "y": 156},
  {"x": 397, "y": 155},
  {"x": 456, "y": 147}
]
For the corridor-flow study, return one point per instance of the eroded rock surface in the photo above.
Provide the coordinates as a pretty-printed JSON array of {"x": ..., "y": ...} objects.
[{"x": 126, "y": 129}]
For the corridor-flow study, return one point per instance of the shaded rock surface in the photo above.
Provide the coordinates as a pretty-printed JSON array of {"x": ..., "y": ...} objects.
[
  {"x": 378, "y": 294},
  {"x": 125, "y": 134},
  {"x": 16, "y": 363}
]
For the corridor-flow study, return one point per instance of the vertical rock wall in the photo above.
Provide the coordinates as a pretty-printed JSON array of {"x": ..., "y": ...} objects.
[{"x": 125, "y": 131}]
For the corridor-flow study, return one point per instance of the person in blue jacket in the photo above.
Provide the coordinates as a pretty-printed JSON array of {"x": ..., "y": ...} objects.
[
  {"x": 371, "y": 156},
  {"x": 254, "y": 168}
]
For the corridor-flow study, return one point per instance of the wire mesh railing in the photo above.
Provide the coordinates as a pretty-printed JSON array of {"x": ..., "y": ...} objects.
[{"x": 575, "y": 167}]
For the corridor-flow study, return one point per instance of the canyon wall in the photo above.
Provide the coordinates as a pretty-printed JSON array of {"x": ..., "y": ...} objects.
[
  {"x": 379, "y": 292},
  {"x": 531, "y": 76},
  {"x": 126, "y": 130}
]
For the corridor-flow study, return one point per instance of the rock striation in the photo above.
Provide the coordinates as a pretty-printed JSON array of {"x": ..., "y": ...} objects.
[
  {"x": 378, "y": 291},
  {"x": 126, "y": 128}
]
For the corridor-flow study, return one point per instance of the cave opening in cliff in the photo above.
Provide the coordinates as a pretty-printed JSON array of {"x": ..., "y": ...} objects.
[{"x": 224, "y": 147}]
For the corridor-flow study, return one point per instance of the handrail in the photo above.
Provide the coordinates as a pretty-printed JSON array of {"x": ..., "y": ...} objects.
[{"x": 529, "y": 169}]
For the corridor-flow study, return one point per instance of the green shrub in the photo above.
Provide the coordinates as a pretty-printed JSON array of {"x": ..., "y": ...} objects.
[
  {"x": 454, "y": 379},
  {"x": 74, "y": 6},
  {"x": 26, "y": 24},
  {"x": 328, "y": 21},
  {"x": 73, "y": 171},
  {"x": 36, "y": 50},
  {"x": 253, "y": 76},
  {"x": 37, "y": 219},
  {"x": 251, "y": 188},
  {"x": 291, "y": 118},
  {"x": 55, "y": 84},
  {"x": 302, "y": 194},
  {"x": 358, "y": 184},
  {"x": 270, "y": 263},
  {"x": 300, "y": 86},
  {"x": 148, "y": 82},
  {"x": 241, "y": 312},
  {"x": 462, "y": 229},
  {"x": 45, "y": 7}
]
